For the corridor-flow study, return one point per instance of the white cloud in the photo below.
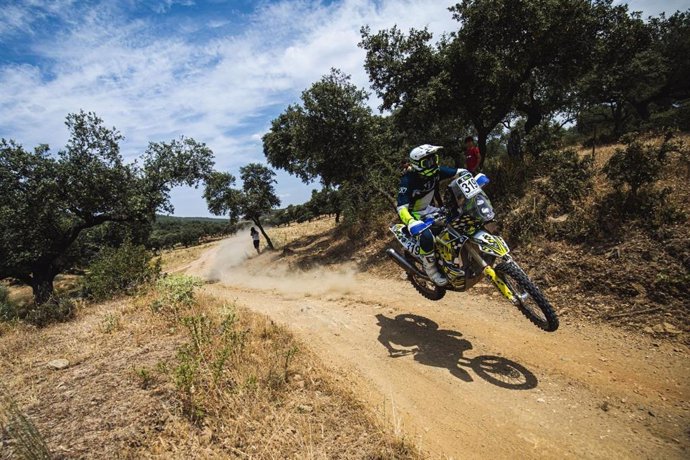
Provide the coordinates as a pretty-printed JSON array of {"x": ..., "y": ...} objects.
[{"x": 156, "y": 87}]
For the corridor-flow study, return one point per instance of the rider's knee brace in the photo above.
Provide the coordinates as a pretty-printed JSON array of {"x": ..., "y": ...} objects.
[{"x": 426, "y": 241}]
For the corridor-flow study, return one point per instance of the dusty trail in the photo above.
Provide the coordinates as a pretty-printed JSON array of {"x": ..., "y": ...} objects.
[{"x": 468, "y": 377}]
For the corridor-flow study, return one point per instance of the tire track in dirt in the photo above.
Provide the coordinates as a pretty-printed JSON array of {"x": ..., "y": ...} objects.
[{"x": 469, "y": 377}]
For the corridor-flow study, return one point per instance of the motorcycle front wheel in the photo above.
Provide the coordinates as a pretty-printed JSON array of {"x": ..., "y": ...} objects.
[{"x": 529, "y": 299}]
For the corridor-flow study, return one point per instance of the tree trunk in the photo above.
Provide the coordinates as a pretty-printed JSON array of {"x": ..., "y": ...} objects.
[
  {"x": 337, "y": 217},
  {"x": 534, "y": 118},
  {"x": 263, "y": 232},
  {"x": 642, "y": 109},
  {"x": 42, "y": 287},
  {"x": 617, "y": 114}
]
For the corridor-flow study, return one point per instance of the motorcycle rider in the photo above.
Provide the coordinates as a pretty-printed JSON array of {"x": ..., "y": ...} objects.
[{"x": 417, "y": 187}]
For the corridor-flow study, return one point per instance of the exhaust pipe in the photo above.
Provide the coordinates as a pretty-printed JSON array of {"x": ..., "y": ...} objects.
[{"x": 404, "y": 264}]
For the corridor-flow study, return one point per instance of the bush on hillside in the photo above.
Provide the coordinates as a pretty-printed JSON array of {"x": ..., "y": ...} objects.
[
  {"x": 509, "y": 177},
  {"x": 525, "y": 219},
  {"x": 543, "y": 138},
  {"x": 55, "y": 310},
  {"x": 633, "y": 167},
  {"x": 634, "y": 172},
  {"x": 8, "y": 310},
  {"x": 566, "y": 177},
  {"x": 175, "y": 294},
  {"x": 120, "y": 271}
]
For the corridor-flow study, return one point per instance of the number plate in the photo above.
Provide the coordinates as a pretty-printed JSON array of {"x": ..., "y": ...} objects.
[{"x": 469, "y": 187}]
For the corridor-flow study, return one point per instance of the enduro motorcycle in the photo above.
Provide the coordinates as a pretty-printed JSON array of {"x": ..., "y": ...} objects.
[{"x": 468, "y": 250}]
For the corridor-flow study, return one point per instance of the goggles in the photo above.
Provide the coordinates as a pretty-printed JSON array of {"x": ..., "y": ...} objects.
[{"x": 429, "y": 162}]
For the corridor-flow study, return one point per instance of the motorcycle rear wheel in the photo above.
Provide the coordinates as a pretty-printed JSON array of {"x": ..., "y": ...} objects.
[{"x": 427, "y": 288}]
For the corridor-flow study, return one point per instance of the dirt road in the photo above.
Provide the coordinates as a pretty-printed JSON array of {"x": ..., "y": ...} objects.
[{"x": 468, "y": 377}]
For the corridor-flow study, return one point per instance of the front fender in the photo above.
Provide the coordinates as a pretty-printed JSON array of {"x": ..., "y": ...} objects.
[{"x": 491, "y": 244}]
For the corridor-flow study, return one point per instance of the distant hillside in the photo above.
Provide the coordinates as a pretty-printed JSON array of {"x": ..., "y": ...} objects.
[
  {"x": 161, "y": 218},
  {"x": 170, "y": 231}
]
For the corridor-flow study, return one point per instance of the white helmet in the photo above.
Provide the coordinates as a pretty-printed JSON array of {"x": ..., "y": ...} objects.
[{"x": 424, "y": 159}]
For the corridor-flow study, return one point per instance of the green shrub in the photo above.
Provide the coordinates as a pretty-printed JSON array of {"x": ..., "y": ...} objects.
[
  {"x": 543, "y": 138},
  {"x": 175, "y": 293},
  {"x": 509, "y": 177},
  {"x": 566, "y": 177},
  {"x": 8, "y": 311},
  {"x": 56, "y": 310},
  {"x": 145, "y": 377},
  {"x": 120, "y": 271},
  {"x": 634, "y": 166},
  {"x": 110, "y": 323},
  {"x": 526, "y": 219},
  {"x": 19, "y": 435},
  {"x": 634, "y": 172},
  {"x": 675, "y": 117}
]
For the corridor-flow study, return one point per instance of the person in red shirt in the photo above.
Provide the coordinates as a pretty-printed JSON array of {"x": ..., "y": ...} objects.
[{"x": 472, "y": 155}]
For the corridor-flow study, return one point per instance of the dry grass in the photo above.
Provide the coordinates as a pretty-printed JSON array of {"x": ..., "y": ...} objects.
[
  {"x": 203, "y": 379},
  {"x": 283, "y": 236},
  {"x": 64, "y": 284},
  {"x": 173, "y": 259}
]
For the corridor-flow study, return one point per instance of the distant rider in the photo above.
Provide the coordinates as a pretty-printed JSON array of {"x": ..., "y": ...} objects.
[
  {"x": 417, "y": 188},
  {"x": 255, "y": 239}
]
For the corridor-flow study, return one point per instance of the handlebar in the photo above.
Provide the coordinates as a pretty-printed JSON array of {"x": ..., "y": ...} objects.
[{"x": 432, "y": 219}]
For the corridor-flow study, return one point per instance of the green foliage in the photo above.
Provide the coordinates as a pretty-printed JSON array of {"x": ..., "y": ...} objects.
[
  {"x": 328, "y": 137},
  {"x": 545, "y": 137},
  {"x": 289, "y": 355},
  {"x": 634, "y": 166},
  {"x": 214, "y": 341},
  {"x": 334, "y": 137},
  {"x": 634, "y": 171},
  {"x": 509, "y": 177},
  {"x": 120, "y": 271},
  {"x": 110, "y": 323},
  {"x": 169, "y": 231},
  {"x": 186, "y": 374},
  {"x": 326, "y": 201},
  {"x": 57, "y": 309},
  {"x": 506, "y": 56},
  {"x": 25, "y": 441},
  {"x": 568, "y": 177},
  {"x": 145, "y": 377},
  {"x": 49, "y": 200},
  {"x": 562, "y": 179},
  {"x": 8, "y": 310},
  {"x": 175, "y": 293},
  {"x": 639, "y": 68}
]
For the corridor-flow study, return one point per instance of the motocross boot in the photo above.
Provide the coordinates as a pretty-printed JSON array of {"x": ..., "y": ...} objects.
[{"x": 431, "y": 269}]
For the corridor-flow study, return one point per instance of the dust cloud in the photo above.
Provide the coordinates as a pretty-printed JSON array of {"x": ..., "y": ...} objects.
[{"x": 236, "y": 263}]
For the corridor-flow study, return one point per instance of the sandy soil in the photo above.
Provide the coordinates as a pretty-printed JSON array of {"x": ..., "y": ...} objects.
[{"x": 469, "y": 377}]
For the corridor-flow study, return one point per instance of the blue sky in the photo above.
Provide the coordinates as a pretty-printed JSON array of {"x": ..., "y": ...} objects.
[{"x": 215, "y": 70}]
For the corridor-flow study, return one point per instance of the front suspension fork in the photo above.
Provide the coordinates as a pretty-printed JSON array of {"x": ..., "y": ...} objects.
[{"x": 490, "y": 273}]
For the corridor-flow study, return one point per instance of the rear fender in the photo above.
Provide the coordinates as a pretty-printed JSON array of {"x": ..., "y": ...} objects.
[{"x": 408, "y": 242}]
